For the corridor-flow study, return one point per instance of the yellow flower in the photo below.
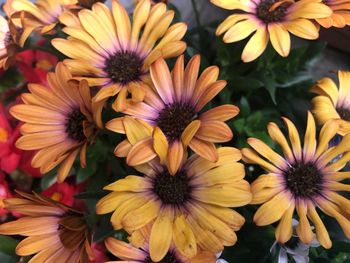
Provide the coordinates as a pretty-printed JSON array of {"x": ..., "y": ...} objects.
[
  {"x": 110, "y": 51},
  {"x": 41, "y": 16},
  {"x": 270, "y": 20},
  {"x": 55, "y": 232},
  {"x": 128, "y": 252},
  {"x": 333, "y": 103},
  {"x": 58, "y": 121},
  {"x": 169, "y": 119},
  {"x": 188, "y": 210},
  {"x": 341, "y": 14},
  {"x": 303, "y": 179}
]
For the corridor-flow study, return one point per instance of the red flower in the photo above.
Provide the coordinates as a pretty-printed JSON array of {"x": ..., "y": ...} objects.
[
  {"x": 34, "y": 65},
  {"x": 64, "y": 193},
  {"x": 99, "y": 253},
  {"x": 4, "y": 193},
  {"x": 12, "y": 158}
]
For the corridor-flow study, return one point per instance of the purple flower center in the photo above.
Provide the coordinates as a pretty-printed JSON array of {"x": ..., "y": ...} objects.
[
  {"x": 172, "y": 189},
  {"x": 174, "y": 118},
  {"x": 270, "y": 11},
  {"x": 303, "y": 179},
  {"x": 74, "y": 125},
  {"x": 344, "y": 113},
  {"x": 169, "y": 258},
  {"x": 124, "y": 67}
]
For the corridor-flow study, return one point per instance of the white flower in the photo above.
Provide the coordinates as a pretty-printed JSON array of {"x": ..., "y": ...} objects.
[
  {"x": 295, "y": 248},
  {"x": 220, "y": 260}
]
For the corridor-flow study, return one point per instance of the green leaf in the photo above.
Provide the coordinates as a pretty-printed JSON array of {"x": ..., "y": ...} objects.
[{"x": 8, "y": 245}]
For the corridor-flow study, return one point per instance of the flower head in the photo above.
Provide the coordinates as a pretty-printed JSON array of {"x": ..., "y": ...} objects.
[
  {"x": 112, "y": 52},
  {"x": 333, "y": 102},
  {"x": 58, "y": 122},
  {"x": 9, "y": 39},
  {"x": 303, "y": 179},
  {"x": 341, "y": 14},
  {"x": 270, "y": 20},
  {"x": 41, "y": 16},
  {"x": 169, "y": 119},
  {"x": 128, "y": 252},
  {"x": 189, "y": 210},
  {"x": 54, "y": 232}
]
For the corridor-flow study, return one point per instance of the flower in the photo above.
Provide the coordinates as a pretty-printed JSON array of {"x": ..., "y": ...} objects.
[
  {"x": 341, "y": 14},
  {"x": 4, "y": 193},
  {"x": 294, "y": 247},
  {"x": 12, "y": 158},
  {"x": 41, "y": 16},
  {"x": 115, "y": 54},
  {"x": 304, "y": 179},
  {"x": 8, "y": 42},
  {"x": 270, "y": 20},
  {"x": 130, "y": 253},
  {"x": 189, "y": 209},
  {"x": 54, "y": 232},
  {"x": 34, "y": 65},
  {"x": 333, "y": 103},
  {"x": 64, "y": 193},
  {"x": 170, "y": 120},
  {"x": 58, "y": 121}
]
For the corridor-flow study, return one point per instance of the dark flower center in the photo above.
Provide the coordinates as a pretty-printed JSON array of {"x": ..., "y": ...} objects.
[
  {"x": 292, "y": 243},
  {"x": 8, "y": 40},
  {"x": 174, "y": 118},
  {"x": 169, "y": 258},
  {"x": 344, "y": 113},
  {"x": 124, "y": 67},
  {"x": 172, "y": 189},
  {"x": 74, "y": 125},
  {"x": 88, "y": 3},
  {"x": 304, "y": 179},
  {"x": 268, "y": 12}
]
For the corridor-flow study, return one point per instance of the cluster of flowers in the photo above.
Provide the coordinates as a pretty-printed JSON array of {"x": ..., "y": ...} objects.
[{"x": 179, "y": 210}]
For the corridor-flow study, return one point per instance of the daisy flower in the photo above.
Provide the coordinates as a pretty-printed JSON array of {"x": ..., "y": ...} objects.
[
  {"x": 303, "y": 179},
  {"x": 58, "y": 122},
  {"x": 269, "y": 20},
  {"x": 110, "y": 51},
  {"x": 128, "y": 252},
  {"x": 170, "y": 118},
  {"x": 188, "y": 210},
  {"x": 54, "y": 232},
  {"x": 41, "y": 16},
  {"x": 9, "y": 41},
  {"x": 333, "y": 102},
  {"x": 341, "y": 14}
]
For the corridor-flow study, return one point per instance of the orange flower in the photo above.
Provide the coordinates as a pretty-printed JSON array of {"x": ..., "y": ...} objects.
[
  {"x": 41, "y": 16},
  {"x": 130, "y": 253},
  {"x": 115, "y": 53},
  {"x": 55, "y": 232},
  {"x": 58, "y": 121},
  {"x": 270, "y": 20},
  {"x": 341, "y": 14},
  {"x": 302, "y": 180},
  {"x": 333, "y": 102},
  {"x": 188, "y": 211},
  {"x": 169, "y": 119}
]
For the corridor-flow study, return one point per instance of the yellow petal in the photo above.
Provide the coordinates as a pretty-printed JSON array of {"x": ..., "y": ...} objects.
[
  {"x": 184, "y": 238},
  {"x": 280, "y": 39},
  {"x": 175, "y": 156},
  {"x": 161, "y": 234}
]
